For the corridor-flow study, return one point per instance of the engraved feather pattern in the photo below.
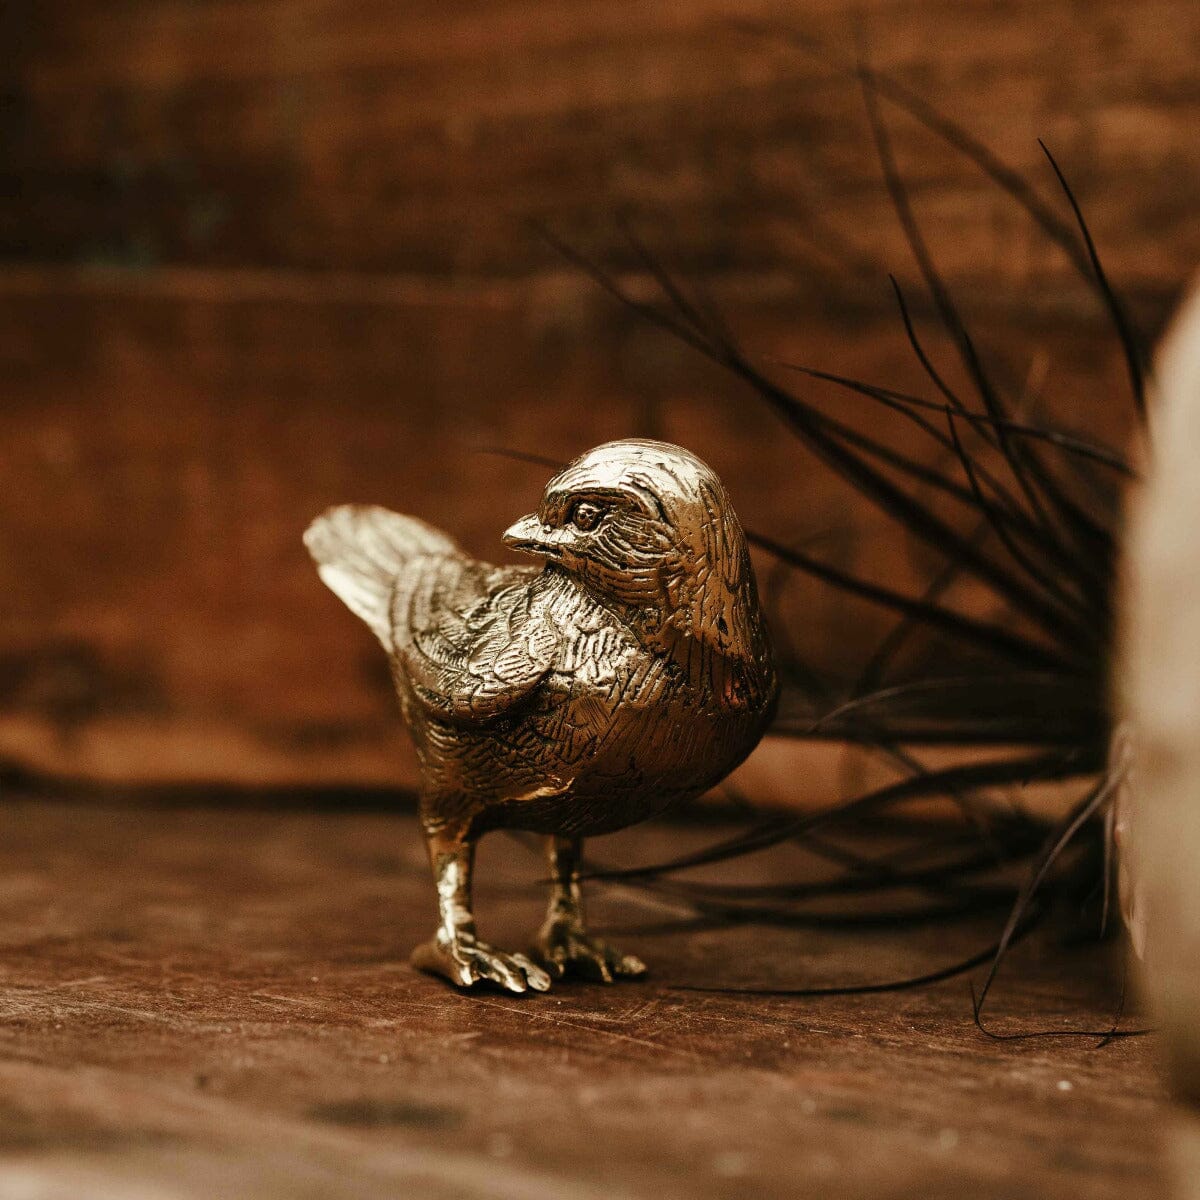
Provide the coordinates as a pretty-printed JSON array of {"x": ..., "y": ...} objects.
[
  {"x": 468, "y": 639},
  {"x": 609, "y": 689}
]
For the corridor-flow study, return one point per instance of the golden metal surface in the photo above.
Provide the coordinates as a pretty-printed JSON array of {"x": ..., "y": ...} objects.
[{"x": 628, "y": 671}]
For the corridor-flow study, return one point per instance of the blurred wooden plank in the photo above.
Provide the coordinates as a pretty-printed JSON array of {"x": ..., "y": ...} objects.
[
  {"x": 336, "y": 295},
  {"x": 167, "y": 436},
  {"x": 214, "y": 1003},
  {"x": 304, "y": 133}
]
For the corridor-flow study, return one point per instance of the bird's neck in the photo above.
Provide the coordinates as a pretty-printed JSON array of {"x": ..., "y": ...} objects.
[{"x": 716, "y": 635}]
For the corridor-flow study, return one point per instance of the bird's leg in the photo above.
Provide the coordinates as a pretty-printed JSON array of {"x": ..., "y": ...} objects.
[
  {"x": 454, "y": 952},
  {"x": 564, "y": 946}
]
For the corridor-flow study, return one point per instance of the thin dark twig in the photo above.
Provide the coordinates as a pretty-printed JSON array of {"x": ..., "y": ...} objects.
[
  {"x": 953, "y": 686},
  {"x": 900, "y": 401},
  {"x": 1049, "y": 585},
  {"x": 956, "y": 624},
  {"x": 1092, "y": 803},
  {"x": 877, "y": 665},
  {"x": 525, "y": 456},
  {"x": 941, "y": 296},
  {"x": 1043, "y": 767},
  {"x": 605, "y": 281},
  {"x": 954, "y": 135},
  {"x": 926, "y": 979},
  {"x": 707, "y": 322},
  {"x": 1128, "y": 338},
  {"x": 1103, "y": 1037},
  {"x": 1085, "y": 260},
  {"x": 1017, "y": 461}
]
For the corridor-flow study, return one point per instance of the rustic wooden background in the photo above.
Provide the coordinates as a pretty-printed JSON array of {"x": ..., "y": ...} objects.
[{"x": 258, "y": 258}]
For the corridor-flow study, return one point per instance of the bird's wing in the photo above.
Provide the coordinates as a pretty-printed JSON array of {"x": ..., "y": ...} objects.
[
  {"x": 361, "y": 550},
  {"x": 472, "y": 639}
]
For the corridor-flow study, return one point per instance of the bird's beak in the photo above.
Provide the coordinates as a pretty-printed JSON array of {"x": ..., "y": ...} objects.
[{"x": 529, "y": 536}]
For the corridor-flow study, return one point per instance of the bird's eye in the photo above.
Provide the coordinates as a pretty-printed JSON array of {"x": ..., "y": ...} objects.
[{"x": 586, "y": 515}]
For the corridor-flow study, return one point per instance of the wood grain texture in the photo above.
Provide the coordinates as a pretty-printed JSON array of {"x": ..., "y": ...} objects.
[
  {"x": 258, "y": 259},
  {"x": 304, "y": 133},
  {"x": 210, "y": 1003},
  {"x": 166, "y": 441}
]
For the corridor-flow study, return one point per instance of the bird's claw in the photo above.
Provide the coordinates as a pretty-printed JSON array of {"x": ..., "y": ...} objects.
[
  {"x": 464, "y": 961},
  {"x": 566, "y": 948}
]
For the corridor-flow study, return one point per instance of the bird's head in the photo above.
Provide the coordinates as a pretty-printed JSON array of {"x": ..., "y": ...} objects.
[{"x": 649, "y": 527}]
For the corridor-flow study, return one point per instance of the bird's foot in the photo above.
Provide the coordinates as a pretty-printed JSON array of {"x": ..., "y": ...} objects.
[
  {"x": 465, "y": 961},
  {"x": 566, "y": 948}
]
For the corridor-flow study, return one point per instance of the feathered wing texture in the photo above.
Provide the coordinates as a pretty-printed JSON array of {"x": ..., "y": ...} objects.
[
  {"x": 467, "y": 636},
  {"x": 361, "y": 550},
  {"x": 473, "y": 640}
]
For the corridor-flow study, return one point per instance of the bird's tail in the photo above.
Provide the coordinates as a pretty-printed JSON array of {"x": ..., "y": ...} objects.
[{"x": 361, "y": 549}]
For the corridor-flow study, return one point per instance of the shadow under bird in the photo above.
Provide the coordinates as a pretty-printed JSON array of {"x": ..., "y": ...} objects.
[{"x": 631, "y": 670}]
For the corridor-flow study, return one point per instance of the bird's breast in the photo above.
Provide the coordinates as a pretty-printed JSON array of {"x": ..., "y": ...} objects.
[
  {"x": 616, "y": 731},
  {"x": 626, "y": 734}
]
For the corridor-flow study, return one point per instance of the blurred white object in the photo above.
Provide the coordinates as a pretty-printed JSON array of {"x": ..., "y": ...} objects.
[{"x": 1158, "y": 816}]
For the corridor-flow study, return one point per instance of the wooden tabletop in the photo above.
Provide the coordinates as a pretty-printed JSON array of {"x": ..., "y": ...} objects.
[{"x": 210, "y": 1003}]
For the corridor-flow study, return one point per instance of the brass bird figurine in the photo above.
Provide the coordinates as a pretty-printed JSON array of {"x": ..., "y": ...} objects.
[{"x": 630, "y": 670}]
